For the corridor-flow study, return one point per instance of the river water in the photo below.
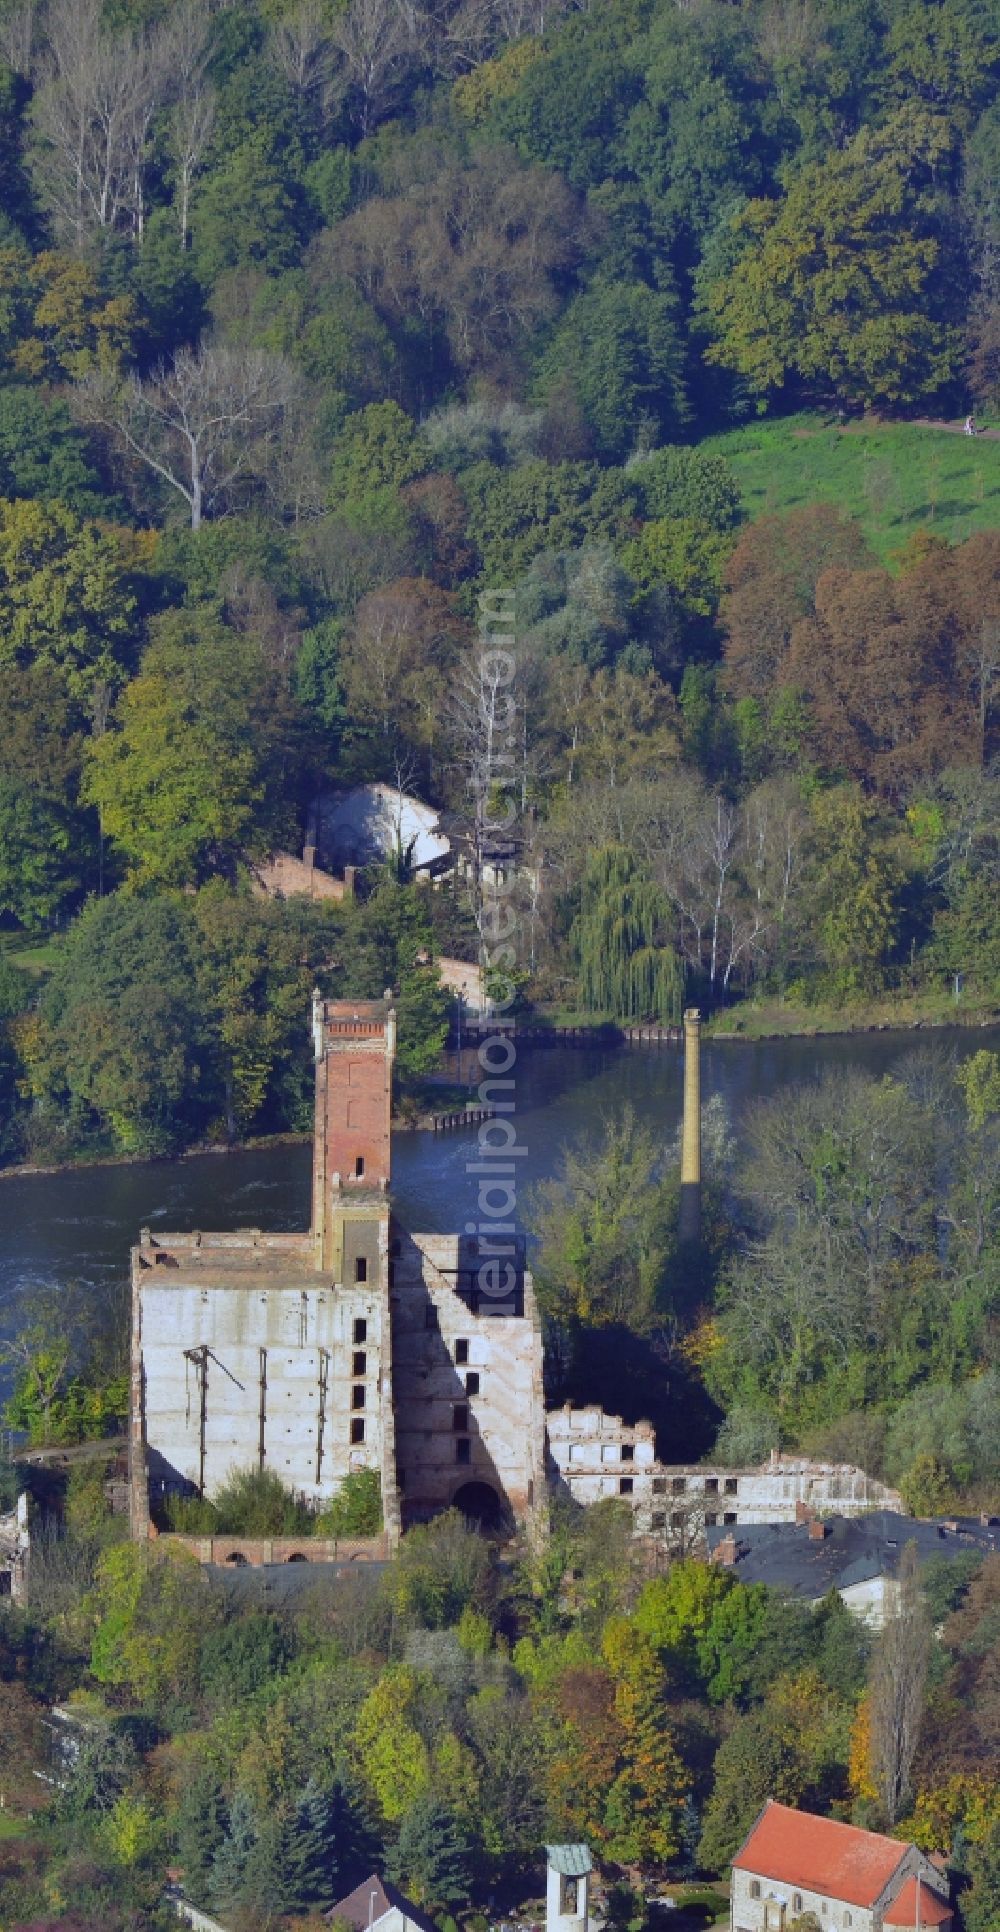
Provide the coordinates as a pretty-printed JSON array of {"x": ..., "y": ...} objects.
[{"x": 78, "y": 1225}]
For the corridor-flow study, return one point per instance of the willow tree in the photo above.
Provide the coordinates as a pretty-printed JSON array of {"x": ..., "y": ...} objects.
[{"x": 627, "y": 968}]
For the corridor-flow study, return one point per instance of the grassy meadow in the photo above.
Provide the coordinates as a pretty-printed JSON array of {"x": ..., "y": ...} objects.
[{"x": 895, "y": 478}]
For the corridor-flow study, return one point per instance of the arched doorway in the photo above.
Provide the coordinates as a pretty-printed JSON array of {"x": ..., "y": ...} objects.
[{"x": 484, "y": 1509}]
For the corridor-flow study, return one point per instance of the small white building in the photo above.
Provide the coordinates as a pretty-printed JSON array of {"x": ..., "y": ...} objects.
[
  {"x": 567, "y": 1887},
  {"x": 372, "y": 823}
]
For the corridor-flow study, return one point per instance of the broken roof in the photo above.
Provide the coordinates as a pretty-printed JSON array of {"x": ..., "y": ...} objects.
[{"x": 820, "y": 1855}]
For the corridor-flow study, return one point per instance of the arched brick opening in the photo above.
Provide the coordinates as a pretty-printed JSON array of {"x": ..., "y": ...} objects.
[
  {"x": 483, "y": 1508},
  {"x": 236, "y": 1558},
  {"x": 297, "y": 1556}
]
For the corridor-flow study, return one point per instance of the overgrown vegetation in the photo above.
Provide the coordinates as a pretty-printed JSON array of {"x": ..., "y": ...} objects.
[
  {"x": 442, "y": 1717},
  {"x": 264, "y": 436}
]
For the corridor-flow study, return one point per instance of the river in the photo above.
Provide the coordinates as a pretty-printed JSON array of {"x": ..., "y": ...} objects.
[{"x": 78, "y": 1225}]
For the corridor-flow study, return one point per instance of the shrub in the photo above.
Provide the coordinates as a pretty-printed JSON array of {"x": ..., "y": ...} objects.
[{"x": 356, "y": 1510}]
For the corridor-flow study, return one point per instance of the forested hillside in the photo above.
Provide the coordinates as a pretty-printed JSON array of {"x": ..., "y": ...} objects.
[{"x": 319, "y": 316}]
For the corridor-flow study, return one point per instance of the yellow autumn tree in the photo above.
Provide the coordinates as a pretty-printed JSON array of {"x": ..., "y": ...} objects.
[
  {"x": 390, "y": 1753},
  {"x": 859, "y": 1764}
]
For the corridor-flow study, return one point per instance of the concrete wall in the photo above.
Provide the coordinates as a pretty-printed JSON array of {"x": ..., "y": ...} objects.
[
  {"x": 597, "y": 1455},
  {"x": 449, "y": 1432},
  {"x": 249, "y": 1367}
]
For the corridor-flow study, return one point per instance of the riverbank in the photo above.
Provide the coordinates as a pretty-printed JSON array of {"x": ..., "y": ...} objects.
[
  {"x": 895, "y": 1013},
  {"x": 453, "y": 1089}
]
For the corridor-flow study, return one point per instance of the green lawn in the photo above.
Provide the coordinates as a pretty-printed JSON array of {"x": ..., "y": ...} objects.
[
  {"x": 896, "y": 478},
  {"x": 31, "y": 955},
  {"x": 11, "y": 1826}
]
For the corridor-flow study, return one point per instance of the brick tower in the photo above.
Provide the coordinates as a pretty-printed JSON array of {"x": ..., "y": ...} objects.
[{"x": 354, "y": 1043}]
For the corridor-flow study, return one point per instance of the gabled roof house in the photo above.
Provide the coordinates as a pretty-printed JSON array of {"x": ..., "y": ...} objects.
[{"x": 851, "y": 1880}]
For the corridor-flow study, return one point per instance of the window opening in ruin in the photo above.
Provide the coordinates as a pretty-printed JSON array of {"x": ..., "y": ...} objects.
[
  {"x": 472, "y": 1383},
  {"x": 359, "y": 1167},
  {"x": 677, "y": 1519},
  {"x": 360, "y": 1363},
  {"x": 358, "y": 1429},
  {"x": 358, "y": 1396},
  {"x": 678, "y": 1485},
  {"x": 729, "y": 1516},
  {"x": 463, "y": 1449},
  {"x": 628, "y": 1452},
  {"x": 710, "y": 1519},
  {"x": 659, "y": 1485},
  {"x": 625, "y": 1485},
  {"x": 461, "y": 1351},
  {"x": 711, "y": 1485},
  {"x": 731, "y": 1485},
  {"x": 658, "y": 1519},
  {"x": 361, "y": 1268},
  {"x": 460, "y": 1416},
  {"x": 361, "y": 1330}
]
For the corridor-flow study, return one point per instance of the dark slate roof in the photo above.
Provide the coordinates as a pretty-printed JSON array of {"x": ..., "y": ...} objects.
[{"x": 856, "y": 1549}]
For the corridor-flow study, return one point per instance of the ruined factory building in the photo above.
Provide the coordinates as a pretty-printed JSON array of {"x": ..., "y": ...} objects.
[{"x": 358, "y": 1344}]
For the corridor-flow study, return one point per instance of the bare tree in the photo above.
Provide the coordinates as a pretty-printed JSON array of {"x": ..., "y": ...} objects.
[
  {"x": 95, "y": 99},
  {"x": 185, "y": 48},
  {"x": 302, "y": 48},
  {"x": 896, "y": 1688},
  {"x": 17, "y": 37},
  {"x": 375, "y": 40},
  {"x": 203, "y": 423}
]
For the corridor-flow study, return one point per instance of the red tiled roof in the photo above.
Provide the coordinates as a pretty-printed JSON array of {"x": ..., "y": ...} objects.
[
  {"x": 903, "y": 1910},
  {"x": 798, "y": 1848}
]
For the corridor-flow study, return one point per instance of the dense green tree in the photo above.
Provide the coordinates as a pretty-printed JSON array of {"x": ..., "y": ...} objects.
[
  {"x": 839, "y": 286},
  {"x": 604, "y": 1234},
  {"x": 239, "y": 1659},
  {"x": 124, "y": 1029},
  {"x": 43, "y": 454},
  {"x": 181, "y": 783},
  {"x": 66, "y": 595},
  {"x": 757, "y": 1761},
  {"x": 621, "y": 346}
]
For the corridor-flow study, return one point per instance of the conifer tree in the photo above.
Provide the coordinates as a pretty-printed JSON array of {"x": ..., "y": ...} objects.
[
  {"x": 430, "y": 1858},
  {"x": 201, "y": 1831}
]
